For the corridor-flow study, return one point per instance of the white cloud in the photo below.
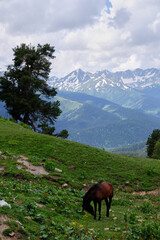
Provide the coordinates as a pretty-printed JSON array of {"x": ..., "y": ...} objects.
[
  {"x": 121, "y": 18},
  {"x": 155, "y": 25},
  {"x": 87, "y": 34}
]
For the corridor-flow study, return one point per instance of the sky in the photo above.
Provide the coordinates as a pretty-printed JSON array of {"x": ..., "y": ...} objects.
[{"x": 92, "y": 35}]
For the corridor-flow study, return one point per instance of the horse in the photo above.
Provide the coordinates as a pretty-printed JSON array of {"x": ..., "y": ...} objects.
[{"x": 97, "y": 193}]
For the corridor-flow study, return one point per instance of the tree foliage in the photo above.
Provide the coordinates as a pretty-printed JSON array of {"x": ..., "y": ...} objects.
[
  {"x": 156, "y": 152},
  {"x": 151, "y": 142},
  {"x": 24, "y": 88}
]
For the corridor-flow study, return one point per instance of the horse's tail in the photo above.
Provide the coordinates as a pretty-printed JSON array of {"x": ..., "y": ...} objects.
[{"x": 111, "y": 190}]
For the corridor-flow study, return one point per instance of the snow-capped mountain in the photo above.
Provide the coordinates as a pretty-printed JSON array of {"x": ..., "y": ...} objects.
[
  {"x": 81, "y": 81},
  {"x": 140, "y": 79},
  {"x": 138, "y": 89},
  {"x": 78, "y": 80},
  {"x": 111, "y": 86}
]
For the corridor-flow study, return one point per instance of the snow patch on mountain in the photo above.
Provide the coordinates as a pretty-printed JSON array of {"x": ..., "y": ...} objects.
[{"x": 78, "y": 80}]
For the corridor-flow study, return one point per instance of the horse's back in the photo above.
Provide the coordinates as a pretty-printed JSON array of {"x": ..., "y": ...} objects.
[{"x": 104, "y": 190}]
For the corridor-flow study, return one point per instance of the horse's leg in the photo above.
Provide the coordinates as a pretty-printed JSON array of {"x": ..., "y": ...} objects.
[
  {"x": 110, "y": 200},
  {"x": 107, "y": 206},
  {"x": 95, "y": 209},
  {"x": 99, "y": 209}
]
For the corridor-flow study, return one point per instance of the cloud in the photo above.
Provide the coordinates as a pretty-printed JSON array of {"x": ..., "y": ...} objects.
[
  {"x": 75, "y": 13},
  {"x": 28, "y": 16},
  {"x": 90, "y": 34},
  {"x": 121, "y": 18}
]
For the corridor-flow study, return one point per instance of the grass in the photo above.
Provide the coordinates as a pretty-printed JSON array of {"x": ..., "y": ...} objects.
[{"x": 48, "y": 211}]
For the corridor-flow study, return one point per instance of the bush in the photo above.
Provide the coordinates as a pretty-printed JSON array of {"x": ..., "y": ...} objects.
[
  {"x": 25, "y": 125},
  {"x": 146, "y": 207},
  {"x": 49, "y": 165},
  {"x": 148, "y": 231}
]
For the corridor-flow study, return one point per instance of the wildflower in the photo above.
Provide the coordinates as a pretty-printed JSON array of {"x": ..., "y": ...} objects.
[
  {"x": 74, "y": 223},
  {"x": 80, "y": 225},
  {"x": 86, "y": 215}
]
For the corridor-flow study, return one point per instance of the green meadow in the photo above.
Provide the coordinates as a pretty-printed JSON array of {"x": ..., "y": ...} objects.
[{"x": 42, "y": 207}]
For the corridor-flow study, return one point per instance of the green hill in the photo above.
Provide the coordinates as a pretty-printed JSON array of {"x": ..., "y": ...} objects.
[
  {"x": 101, "y": 123},
  {"x": 138, "y": 150},
  {"x": 41, "y": 208}
]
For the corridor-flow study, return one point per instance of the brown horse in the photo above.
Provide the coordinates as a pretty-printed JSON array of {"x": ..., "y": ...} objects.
[{"x": 97, "y": 193}]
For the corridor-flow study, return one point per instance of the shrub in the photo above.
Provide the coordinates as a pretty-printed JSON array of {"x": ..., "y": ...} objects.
[
  {"x": 25, "y": 125},
  {"x": 49, "y": 165},
  {"x": 146, "y": 207},
  {"x": 148, "y": 231}
]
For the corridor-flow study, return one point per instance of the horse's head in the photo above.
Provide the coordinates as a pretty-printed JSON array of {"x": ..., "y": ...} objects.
[{"x": 87, "y": 206}]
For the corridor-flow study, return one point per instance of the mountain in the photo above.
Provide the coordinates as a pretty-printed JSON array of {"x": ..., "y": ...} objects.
[
  {"x": 138, "y": 79},
  {"x": 131, "y": 96},
  {"x": 136, "y": 89},
  {"x": 101, "y": 123}
]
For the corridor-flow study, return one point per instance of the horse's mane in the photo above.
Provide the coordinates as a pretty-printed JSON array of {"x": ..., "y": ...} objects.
[{"x": 93, "y": 188}]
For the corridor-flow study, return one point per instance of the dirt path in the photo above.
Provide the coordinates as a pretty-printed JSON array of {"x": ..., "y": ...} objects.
[
  {"x": 152, "y": 193},
  {"x": 30, "y": 167}
]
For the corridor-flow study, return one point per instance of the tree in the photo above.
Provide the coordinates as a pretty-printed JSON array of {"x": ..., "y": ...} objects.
[
  {"x": 24, "y": 87},
  {"x": 153, "y": 138},
  {"x": 156, "y": 152},
  {"x": 62, "y": 134}
]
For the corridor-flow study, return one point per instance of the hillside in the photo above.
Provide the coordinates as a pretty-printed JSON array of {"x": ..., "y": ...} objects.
[
  {"x": 138, "y": 150},
  {"x": 97, "y": 122},
  {"x": 41, "y": 208}
]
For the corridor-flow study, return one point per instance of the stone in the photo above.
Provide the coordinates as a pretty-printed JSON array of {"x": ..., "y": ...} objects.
[{"x": 58, "y": 170}]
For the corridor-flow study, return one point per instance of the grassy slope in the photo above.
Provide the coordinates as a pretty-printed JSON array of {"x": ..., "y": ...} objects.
[{"x": 126, "y": 174}]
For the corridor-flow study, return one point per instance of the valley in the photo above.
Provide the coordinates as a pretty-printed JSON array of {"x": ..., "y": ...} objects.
[{"x": 109, "y": 110}]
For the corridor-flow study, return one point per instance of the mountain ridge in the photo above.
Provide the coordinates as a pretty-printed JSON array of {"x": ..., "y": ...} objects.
[
  {"x": 131, "y": 89},
  {"x": 126, "y": 79}
]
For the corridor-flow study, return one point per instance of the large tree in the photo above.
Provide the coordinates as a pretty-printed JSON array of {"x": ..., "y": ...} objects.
[
  {"x": 151, "y": 142},
  {"x": 24, "y": 88}
]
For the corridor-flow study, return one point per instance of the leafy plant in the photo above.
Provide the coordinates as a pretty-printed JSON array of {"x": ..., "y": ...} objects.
[
  {"x": 148, "y": 231},
  {"x": 30, "y": 208},
  {"x": 146, "y": 207},
  {"x": 49, "y": 165}
]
